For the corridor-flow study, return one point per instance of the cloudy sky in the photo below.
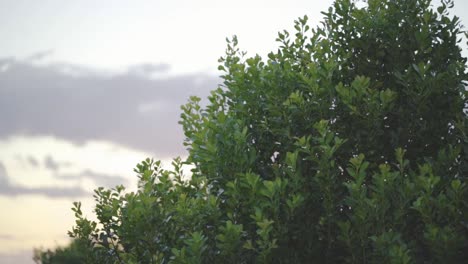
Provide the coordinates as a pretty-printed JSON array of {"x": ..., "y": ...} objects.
[{"x": 89, "y": 88}]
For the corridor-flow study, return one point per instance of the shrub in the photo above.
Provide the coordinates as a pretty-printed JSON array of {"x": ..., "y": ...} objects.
[{"x": 347, "y": 145}]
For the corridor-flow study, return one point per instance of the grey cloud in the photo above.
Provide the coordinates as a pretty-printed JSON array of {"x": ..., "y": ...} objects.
[
  {"x": 51, "y": 164},
  {"x": 45, "y": 100},
  {"x": 40, "y": 55},
  {"x": 3, "y": 174},
  {"x": 23, "y": 257},
  {"x": 9, "y": 189},
  {"x": 100, "y": 179},
  {"x": 148, "y": 69},
  {"x": 54, "y": 165},
  {"x": 27, "y": 160},
  {"x": 33, "y": 161},
  {"x": 6, "y": 237}
]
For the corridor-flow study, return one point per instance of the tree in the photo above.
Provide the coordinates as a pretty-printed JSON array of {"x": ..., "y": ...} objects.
[
  {"x": 348, "y": 144},
  {"x": 77, "y": 252}
]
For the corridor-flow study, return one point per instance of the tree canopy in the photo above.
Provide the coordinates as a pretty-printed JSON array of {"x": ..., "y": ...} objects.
[{"x": 346, "y": 145}]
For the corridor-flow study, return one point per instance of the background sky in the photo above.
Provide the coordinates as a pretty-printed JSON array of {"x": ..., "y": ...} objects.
[{"x": 89, "y": 88}]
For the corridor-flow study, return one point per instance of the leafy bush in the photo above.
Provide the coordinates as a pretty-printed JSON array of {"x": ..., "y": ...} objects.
[
  {"x": 77, "y": 252},
  {"x": 347, "y": 145}
]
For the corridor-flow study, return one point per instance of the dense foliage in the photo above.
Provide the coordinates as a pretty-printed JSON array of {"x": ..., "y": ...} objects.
[
  {"x": 347, "y": 145},
  {"x": 77, "y": 252}
]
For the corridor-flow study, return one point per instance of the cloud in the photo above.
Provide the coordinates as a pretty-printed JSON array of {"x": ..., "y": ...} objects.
[
  {"x": 78, "y": 104},
  {"x": 9, "y": 189},
  {"x": 24, "y": 257},
  {"x": 146, "y": 69},
  {"x": 38, "y": 56},
  {"x": 6, "y": 237},
  {"x": 100, "y": 179},
  {"x": 33, "y": 161},
  {"x": 27, "y": 160},
  {"x": 53, "y": 165}
]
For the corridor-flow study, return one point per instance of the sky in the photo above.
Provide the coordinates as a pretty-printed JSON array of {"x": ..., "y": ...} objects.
[{"x": 90, "y": 88}]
